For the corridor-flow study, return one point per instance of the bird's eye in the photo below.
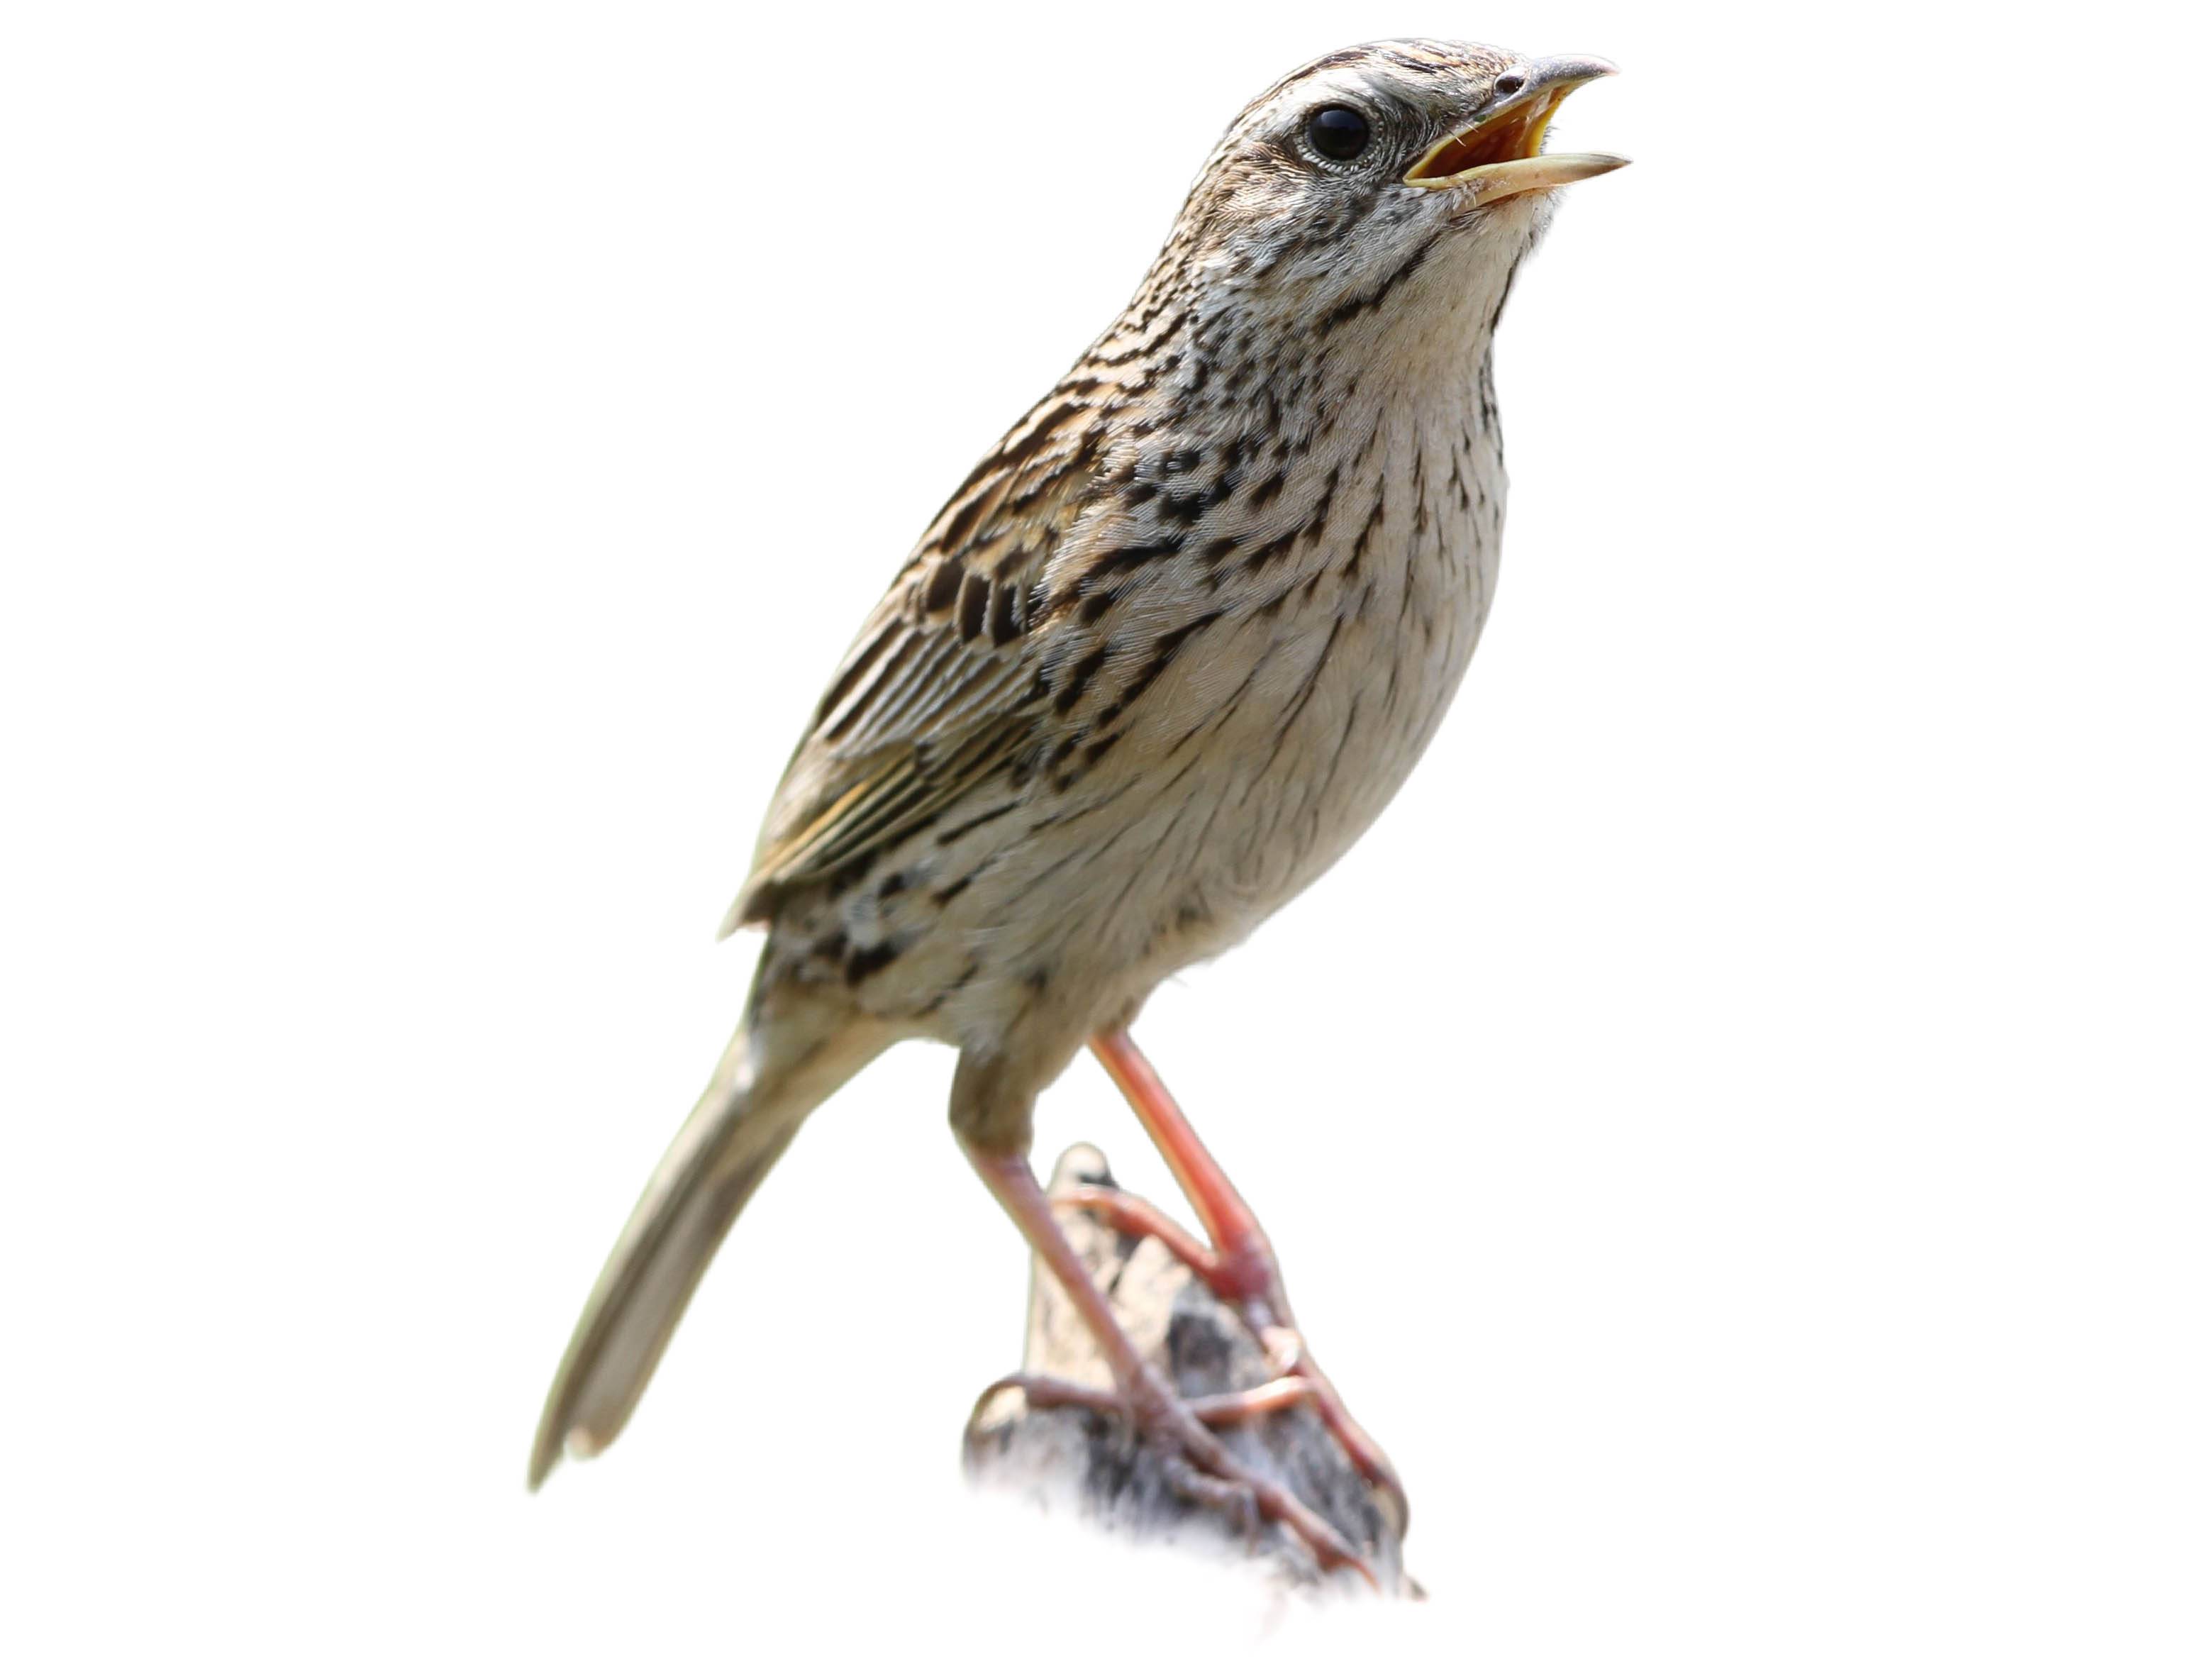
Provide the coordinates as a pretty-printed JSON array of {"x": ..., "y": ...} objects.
[{"x": 1337, "y": 132}]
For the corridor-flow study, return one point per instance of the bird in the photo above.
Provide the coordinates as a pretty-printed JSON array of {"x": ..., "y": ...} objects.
[{"x": 1160, "y": 659}]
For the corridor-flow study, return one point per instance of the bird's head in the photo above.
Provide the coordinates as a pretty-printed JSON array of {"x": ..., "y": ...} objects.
[{"x": 1372, "y": 167}]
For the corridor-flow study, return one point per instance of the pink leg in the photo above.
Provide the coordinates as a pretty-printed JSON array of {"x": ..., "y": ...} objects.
[
  {"x": 1214, "y": 1410},
  {"x": 1241, "y": 1268},
  {"x": 1140, "y": 1392}
]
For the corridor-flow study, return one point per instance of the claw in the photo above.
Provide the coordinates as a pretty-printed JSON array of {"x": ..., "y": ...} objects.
[
  {"x": 1288, "y": 1360},
  {"x": 1220, "y": 1410},
  {"x": 1198, "y": 1465},
  {"x": 1215, "y": 1493},
  {"x": 1139, "y": 1217},
  {"x": 1284, "y": 1348},
  {"x": 1236, "y": 1263}
]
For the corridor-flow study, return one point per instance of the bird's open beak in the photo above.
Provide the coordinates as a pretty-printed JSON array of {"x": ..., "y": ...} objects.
[{"x": 1500, "y": 155}]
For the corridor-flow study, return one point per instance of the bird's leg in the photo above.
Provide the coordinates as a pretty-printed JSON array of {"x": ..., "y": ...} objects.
[
  {"x": 1214, "y": 1410},
  {"x": 1140, "y": 1392},
  {"x": 1240, "y": 1266}
]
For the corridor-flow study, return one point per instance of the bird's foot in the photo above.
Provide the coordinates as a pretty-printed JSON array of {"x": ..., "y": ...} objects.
[
  {"x": 1213, "y": 1410},
  {"x": 1195, "y": 1462},
  {"x": 1249, "y": 1282}
]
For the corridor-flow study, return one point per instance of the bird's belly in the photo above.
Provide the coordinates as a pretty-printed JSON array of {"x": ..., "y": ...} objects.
[
  {"x": 1303, "y": 773},
  {"x": 1259, "y": 768}
]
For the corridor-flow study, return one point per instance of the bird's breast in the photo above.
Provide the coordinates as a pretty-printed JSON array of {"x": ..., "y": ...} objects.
[{"x": 1244, "y": 709}]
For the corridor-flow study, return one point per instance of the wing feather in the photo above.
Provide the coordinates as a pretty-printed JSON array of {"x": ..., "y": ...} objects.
[{"x": 938, "y": 691}]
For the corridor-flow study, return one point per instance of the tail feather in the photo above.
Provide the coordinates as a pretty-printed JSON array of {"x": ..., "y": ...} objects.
[{"x": 748, "y": 1115}]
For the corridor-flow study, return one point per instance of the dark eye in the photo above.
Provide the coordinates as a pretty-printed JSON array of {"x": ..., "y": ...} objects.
[{"x": 1337, "y": 132}]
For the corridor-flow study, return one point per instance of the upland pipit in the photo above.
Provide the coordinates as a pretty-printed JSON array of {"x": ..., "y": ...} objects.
[{"x": 1161, "y": 657}]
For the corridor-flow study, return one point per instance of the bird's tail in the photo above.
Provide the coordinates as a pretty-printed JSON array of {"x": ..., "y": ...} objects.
[{"x": 773, "y": 1074}]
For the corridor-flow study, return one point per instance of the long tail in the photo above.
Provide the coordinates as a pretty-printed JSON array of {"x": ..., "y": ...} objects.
[{"x": 770, "y": 1077}]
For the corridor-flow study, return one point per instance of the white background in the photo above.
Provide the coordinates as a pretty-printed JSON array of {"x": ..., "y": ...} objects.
[{"x": 1736, "y": 1128}]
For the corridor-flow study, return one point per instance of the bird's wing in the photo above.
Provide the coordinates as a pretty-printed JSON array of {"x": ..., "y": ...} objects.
[{"x": 941, "y": 688}]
